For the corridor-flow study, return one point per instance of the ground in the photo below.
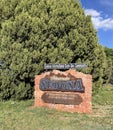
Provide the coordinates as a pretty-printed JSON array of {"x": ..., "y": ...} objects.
[{"x": 21, "y": 116}]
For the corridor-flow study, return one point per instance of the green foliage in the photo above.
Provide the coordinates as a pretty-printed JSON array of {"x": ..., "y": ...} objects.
[
  {"x": 45, "y": 31},
  {"x": 109, "y": 54},
  {"x": 107, "y": 72}
]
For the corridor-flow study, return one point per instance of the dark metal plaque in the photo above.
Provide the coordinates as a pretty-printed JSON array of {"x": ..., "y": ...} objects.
[{"x": 64, "y": 86}]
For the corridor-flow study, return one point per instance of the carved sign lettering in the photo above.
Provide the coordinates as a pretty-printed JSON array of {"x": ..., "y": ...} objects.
[{"x": 64, "y": 86}]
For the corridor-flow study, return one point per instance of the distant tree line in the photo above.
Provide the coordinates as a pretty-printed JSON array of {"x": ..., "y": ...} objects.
[
  {"x": 109, "y": 55},
  {"x": 34, "y": 32}
]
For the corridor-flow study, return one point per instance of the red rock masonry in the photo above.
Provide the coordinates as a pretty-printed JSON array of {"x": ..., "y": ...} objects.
[{"x": 84, "y": 107}]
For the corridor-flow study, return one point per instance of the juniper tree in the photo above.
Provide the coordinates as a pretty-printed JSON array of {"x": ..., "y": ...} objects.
[{"x": 44, "y": 31}]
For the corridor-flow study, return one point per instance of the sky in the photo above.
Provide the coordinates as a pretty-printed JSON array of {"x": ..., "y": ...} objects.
[{"x": 101, "y": 12}]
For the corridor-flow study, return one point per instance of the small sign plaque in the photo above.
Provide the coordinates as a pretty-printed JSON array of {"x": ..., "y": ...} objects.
[{"x": 64, "y": 66}]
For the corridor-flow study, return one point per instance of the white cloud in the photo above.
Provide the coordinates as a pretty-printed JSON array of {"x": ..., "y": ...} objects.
[
  {"x": 92, "y": 12},
  {"x": 99, "y": 21}
]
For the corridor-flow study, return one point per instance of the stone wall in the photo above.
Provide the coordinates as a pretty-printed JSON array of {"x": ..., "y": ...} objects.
[{"x": 67, "y": 101}]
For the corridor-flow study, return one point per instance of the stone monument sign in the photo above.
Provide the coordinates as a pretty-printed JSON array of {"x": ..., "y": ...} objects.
[{"x": 64, "y": 90}]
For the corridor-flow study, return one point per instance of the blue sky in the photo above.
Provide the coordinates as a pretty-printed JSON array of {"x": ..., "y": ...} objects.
[{"x": 102, "y": 18}]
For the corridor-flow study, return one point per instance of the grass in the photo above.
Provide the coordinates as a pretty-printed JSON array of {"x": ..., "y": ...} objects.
[
  {"x": 105, "y": 96},
  {"x": 20, "y": 116}
]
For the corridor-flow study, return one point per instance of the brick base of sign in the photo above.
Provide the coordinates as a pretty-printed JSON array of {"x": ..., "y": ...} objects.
[{"x": 70, "y": 101}]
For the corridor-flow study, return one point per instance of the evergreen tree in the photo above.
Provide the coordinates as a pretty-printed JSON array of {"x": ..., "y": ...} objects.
[{"x": 44, "y": 31}]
